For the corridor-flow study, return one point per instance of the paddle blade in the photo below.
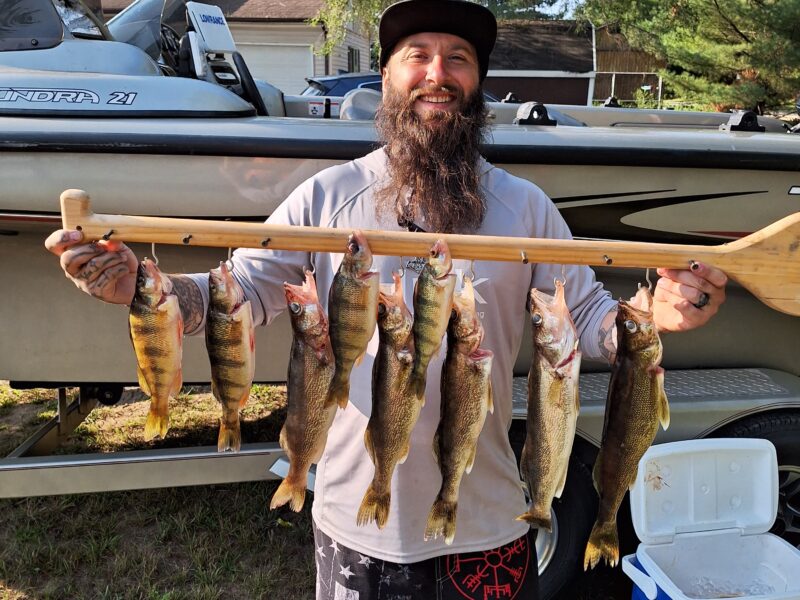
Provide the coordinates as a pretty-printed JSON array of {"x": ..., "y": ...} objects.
[{"x": 767, "y": 263}]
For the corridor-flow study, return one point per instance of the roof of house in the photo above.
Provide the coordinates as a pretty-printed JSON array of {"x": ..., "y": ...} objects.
[
  {"x": 542, "y": 46},
  {"x": 259, "y": 10}
]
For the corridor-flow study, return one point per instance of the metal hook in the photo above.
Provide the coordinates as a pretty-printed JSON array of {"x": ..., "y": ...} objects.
[
  {"x": 649, "y": 283},
  {"x": 563, "y": 280},
  {"x": 229, "y": 262},
  {"x": 153, "y": 252},
  {"x": 401, "y": 271},
  {"x": 312, "y": 270},
  {"x": 524, "y": 256},
  {"x": 469, "y": 275}
]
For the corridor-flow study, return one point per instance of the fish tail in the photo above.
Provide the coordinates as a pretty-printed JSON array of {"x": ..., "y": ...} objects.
[
  {"x": 603, "y": 543},
  {"x": 230, "y": 436},
  {"x": 442, "y": 521},
  {"x": 339, "y": 392},
  {"x": 374, "y": 507},
  {"x": 537, "y": 518},
  {"x": 292, "y": 490},
  {"x": 157, "y": 423},
  {"x": 416, "y": 384}
]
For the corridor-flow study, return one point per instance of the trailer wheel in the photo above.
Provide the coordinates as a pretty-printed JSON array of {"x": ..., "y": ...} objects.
[
  {"x": 560, "y": 552},
  {"x": 105, "y": 393},
  {"x": 783, "y": 430}
]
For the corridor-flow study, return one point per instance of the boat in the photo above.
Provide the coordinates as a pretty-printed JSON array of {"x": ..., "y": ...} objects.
[{"x": 153, "y": 118}]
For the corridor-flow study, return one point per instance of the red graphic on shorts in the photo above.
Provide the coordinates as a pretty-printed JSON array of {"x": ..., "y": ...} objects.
[{"x": 492, "y": 574}]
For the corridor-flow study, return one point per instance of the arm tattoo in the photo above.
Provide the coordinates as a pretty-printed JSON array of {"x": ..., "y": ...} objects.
[
  {"x": 190, "y": 300},
  {"x": 607, "y": 336}
]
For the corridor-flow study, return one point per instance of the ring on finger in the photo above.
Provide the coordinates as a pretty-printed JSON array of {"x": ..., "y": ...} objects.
[{"x": 702, "y": 301}]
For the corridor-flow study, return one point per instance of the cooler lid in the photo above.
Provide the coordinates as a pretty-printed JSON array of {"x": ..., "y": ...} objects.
[{"x": 705, "y": 485}]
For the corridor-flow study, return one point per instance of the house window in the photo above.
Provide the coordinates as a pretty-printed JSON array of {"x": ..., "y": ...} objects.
[{"x": 353, "y": 59}]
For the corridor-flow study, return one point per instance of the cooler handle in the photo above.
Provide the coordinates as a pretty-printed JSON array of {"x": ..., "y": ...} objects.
[{"x": 642, "y": 580}]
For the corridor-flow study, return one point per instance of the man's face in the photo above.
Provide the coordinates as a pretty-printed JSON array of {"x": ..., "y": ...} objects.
[{"x": 438, "y": 70}]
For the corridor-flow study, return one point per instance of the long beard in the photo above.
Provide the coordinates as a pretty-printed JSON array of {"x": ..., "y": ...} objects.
[{"x": 435, "y": 158}]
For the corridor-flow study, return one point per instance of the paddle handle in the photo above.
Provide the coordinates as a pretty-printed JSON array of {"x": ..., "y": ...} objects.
[{"x": 77, "y": 214}]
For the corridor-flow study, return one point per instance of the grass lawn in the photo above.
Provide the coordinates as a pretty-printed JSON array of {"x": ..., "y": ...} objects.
[{"x": 177, "y": 543}]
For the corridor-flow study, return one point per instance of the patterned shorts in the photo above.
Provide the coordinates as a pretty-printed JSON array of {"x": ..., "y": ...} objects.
[{"x": 508, "y": 572}]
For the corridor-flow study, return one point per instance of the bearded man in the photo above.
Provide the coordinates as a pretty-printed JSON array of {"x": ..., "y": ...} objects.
[{"x": 429, "y": 176}]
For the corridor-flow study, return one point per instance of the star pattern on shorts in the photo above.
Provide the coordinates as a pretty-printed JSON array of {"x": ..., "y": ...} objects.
[
  {"x": 335, "y": 547},
  {"x": 346, "y": 572},
  {"x": 321, "y": 551},
  {"x": 365, "y": 560}
]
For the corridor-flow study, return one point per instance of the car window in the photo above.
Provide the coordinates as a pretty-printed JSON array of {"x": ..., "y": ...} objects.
[{"x": 373, "y": 85}]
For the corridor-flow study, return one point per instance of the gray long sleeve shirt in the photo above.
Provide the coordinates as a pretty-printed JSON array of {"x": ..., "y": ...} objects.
[{"x": 490, "y": 496}]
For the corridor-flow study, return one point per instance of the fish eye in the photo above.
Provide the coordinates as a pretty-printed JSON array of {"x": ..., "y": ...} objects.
[
  {"x": 295, "y": 308},
  {"x": 454, "y": 314},
  {"x": 381, "y": 308},
  {"x": 631, "y": 326},
  {"x": 352, "y": 247},
  {"x": 537, "y": 319}
]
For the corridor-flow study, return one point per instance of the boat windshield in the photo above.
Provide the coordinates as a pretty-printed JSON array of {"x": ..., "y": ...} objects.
[
  {"x": 29, "y": 25},
  {"x": 82, "y": 18},
  {"x": 139, "y": 24}
]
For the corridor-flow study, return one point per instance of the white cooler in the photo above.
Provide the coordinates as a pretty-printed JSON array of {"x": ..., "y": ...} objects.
[{"x": 702, "y": 509}]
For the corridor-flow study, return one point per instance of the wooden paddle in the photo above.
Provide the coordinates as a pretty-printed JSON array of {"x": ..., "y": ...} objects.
[{"x": 767, "y": 262}]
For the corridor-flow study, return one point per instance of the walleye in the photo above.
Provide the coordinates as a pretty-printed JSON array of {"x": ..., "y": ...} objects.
[
  {"x": 156, "y": 329},
  {"x": 231, "y": 345},
  {"x": 433, "y": 300},
  {"x": 553, "y": 404},
  {"x": 394, "y": 411},
  {"x": 309, "y": 412},
  {"x": 635, "y": 405},
  {"x": 466, "y": 397},
  {"x": 353, "y": 312}
]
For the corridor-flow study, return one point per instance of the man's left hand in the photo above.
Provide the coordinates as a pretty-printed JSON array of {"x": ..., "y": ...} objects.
[{"x": 687, "y": 298}]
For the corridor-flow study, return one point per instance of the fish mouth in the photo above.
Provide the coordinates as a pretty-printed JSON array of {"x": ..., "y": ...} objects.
[
  {"x": 480, "y": 354},
  {"x": 305, "y": 293}
]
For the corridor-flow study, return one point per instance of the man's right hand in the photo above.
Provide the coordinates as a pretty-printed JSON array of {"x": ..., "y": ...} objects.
[{"x": 105, "y": 270}]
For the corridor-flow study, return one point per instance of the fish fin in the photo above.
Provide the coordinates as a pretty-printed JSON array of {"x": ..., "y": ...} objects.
[
  {"x": 563, "y": 481},
  {"x": 603, "y": 543},
  {"x": 416, "y": 385},
  {"x": 142, "y": 381},
  {"x": 403, "y": 458},
  {"x": 282, "y": 442},
  {"x": 245, "y": 397},
  {"x": 157, "y": 423},
  {"x": 292, "y": 491},
  {"x": 436, "y": 448},
  {"x": 339, "y": 394},
  {"x": 663, "y": 404},
  {"x": 214, "y": 391},
  {"x": 177, "y": 384},
  {"x": 360, "y": 358},
  {"x": 442, "y": 521},
  {"x": 471, "y": 459},
  {"x": 490, "y": 399},
  {"x": 368, "y": 445},
  {"x": 540, "y": 520},
  {"x": 374, "y": 508},
  {"x": 230, "y": 436},
  {"x": 597, "y": 473}
]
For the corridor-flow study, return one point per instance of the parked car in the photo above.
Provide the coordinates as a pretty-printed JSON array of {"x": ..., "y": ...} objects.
[{"x": 339, "y": 85}]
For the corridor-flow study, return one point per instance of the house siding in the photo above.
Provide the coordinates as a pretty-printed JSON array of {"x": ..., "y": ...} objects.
[{"x": 338, "y": 61}]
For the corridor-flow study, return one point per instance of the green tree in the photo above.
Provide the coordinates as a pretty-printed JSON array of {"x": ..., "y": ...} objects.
[
  {"x": 726, "y": 53},
  {"x": 337, "y": 16}
]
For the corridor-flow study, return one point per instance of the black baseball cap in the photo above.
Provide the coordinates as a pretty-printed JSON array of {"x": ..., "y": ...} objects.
[{"x": 467, "y": 20}]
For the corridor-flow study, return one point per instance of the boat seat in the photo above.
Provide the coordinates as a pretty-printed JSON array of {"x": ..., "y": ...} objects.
[{"x": 360, "y": 104}]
